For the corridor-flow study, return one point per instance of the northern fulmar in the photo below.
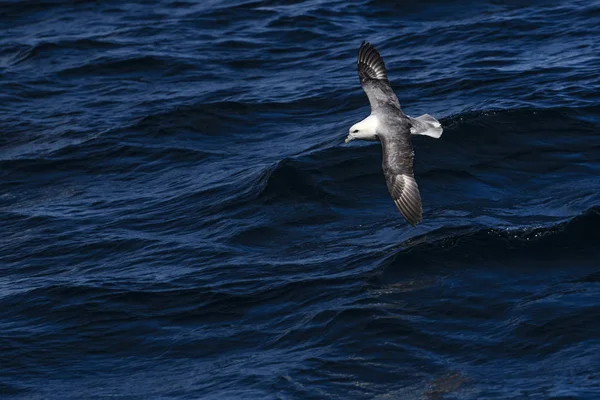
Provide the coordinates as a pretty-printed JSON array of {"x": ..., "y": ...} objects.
[{"x": 388, "y": 124}]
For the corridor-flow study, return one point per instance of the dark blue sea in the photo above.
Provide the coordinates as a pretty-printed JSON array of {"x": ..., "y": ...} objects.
[{"x": 181, "y": 219}]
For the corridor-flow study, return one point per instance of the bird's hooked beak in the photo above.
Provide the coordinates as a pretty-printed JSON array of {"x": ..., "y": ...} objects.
[{"x": 349, "y": 138}]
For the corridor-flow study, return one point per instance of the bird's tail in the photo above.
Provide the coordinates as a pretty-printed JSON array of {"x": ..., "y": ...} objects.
[{"x": 426, "y": 125}]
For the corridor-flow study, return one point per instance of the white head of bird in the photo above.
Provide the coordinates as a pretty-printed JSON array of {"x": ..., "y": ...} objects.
[{"x": 364, "y": 130}]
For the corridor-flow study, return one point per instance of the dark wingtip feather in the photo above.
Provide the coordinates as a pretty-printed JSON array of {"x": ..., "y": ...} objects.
[
  {"x": 370, "y": 63},
  {"x": 405, "y": 192},
  {"x": 411, "y": 214}
]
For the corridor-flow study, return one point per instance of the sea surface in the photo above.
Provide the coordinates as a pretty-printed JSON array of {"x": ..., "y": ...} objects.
[{"x": 181, "y": 219}]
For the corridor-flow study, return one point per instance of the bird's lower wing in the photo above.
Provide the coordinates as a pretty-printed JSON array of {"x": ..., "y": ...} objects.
[
  {"x": 405, "y": 192},
  {"x": 398, "y": 170}
]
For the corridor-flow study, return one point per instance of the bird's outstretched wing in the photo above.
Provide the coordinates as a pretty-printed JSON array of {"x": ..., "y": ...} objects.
[
  {"x": 398, "y": 170},
  {"x": 373, "y": 78}
]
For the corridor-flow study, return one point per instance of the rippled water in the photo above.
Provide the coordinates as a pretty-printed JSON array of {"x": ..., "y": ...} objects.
[{"x": 181, "y": 219}]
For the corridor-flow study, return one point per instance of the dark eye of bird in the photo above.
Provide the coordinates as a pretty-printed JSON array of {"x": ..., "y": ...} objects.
[{"x": 354, "y": 131}]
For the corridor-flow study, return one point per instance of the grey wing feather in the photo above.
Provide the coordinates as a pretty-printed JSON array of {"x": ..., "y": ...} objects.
[
  {"x": 373, "y": 78},
  {"x": 398, "y": 170}
]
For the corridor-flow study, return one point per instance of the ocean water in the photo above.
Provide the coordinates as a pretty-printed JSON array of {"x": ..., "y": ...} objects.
[{"x": 180, "y": 218}]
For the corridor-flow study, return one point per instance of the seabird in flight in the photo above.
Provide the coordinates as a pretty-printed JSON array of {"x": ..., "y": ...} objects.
[{"x": 389, "y": 125}]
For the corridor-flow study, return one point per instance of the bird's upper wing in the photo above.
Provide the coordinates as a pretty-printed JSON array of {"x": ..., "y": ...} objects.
[
  {"x": 398, "y": 170},
  {"x": 373, "y": 78}
]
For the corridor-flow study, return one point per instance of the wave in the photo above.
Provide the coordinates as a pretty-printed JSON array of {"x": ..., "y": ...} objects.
[
  {"x": 138, "y": 65},
  {"x": 484, "y": 157},
  {"x": 442, "y": 250},
  {"x": 41, "y": 49},
  {"x": 455, "y": 247},
  {"x": 105, "y": 156}
]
